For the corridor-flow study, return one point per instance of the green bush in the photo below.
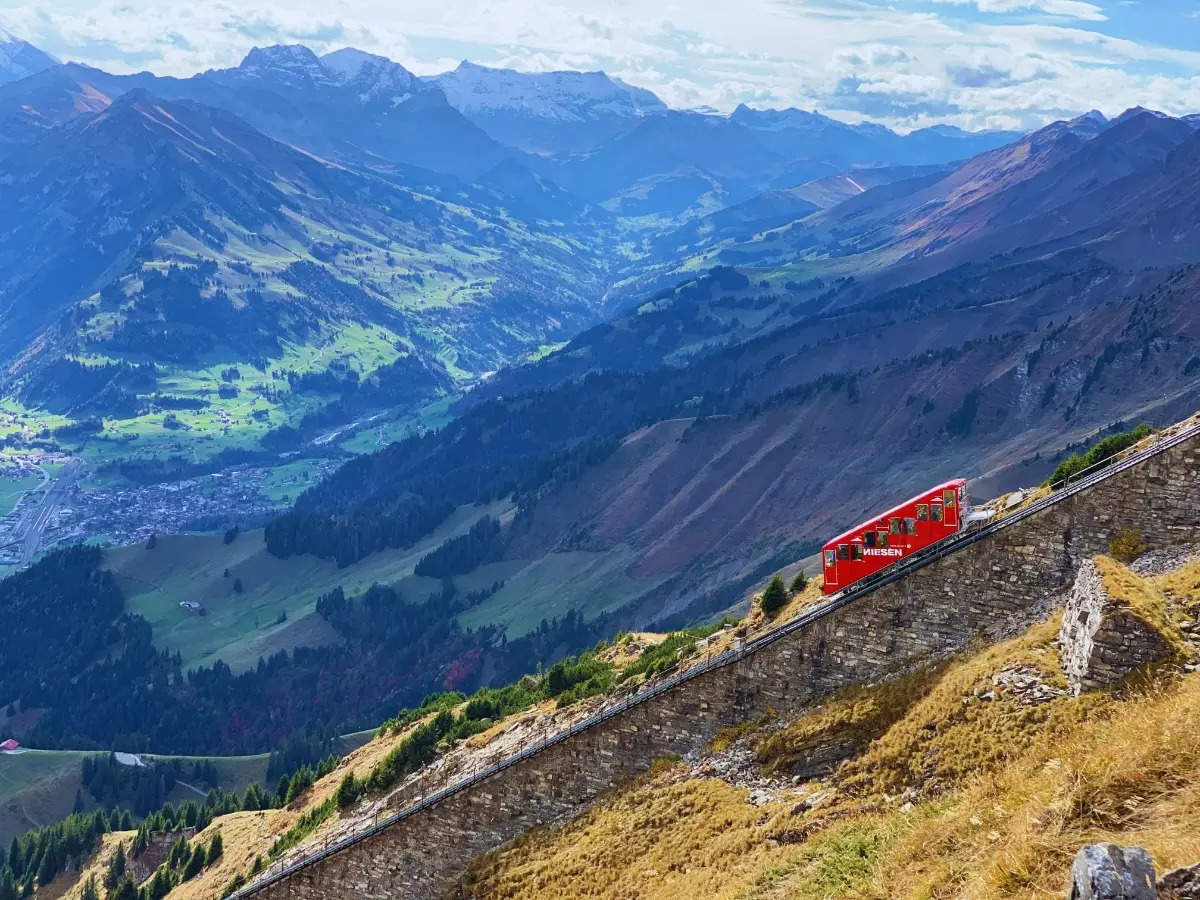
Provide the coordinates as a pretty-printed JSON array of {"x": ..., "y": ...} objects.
[
  {"x": 1100, "y": 453},
  {"x": 1126, "y": 546},
  {"x": 348, "y": 791},
  {"x": 799, "y": 583},
  {"x": 775, "y": 597}
]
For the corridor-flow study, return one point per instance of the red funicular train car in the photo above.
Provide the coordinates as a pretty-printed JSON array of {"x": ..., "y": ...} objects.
[{"x": 893, "y": 535}]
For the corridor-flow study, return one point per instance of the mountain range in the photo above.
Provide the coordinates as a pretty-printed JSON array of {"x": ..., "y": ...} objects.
[
  {"x": 467, "y": 217},
  {"x": 622, "y": 360}
]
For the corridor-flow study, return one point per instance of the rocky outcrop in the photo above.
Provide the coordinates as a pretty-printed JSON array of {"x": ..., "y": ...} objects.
[
  {"x": 1109, "y": 872},
  {"x": 1182, "y": 884},
  {"x": 1102, "y": 640}
]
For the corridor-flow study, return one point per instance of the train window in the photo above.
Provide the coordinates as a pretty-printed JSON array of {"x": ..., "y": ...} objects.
[
  {"x": 910, "y": 526},
  {"x": 856, "y": 552},
  {"x": 829, "y": 559},
  {"x": 869, "y": 539},
  {"x": 937, "y": 513},
  {"x": 883, "y": 539},
  {"x": 949, "y": 495},
  {"x": 894, "y": 525},
  {"x": 922, "y": 511},
  {"x": 843, "y": 551}
]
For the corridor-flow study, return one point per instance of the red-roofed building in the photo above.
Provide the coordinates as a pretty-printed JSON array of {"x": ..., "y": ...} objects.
[{"x": 10, "y": 744}]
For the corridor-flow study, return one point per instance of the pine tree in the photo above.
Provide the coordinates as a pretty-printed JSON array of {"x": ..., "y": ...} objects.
[
  {"x": 775, "y": 597},
  {"x": 78, "y": 808},
  {"x": 8, "y": 886},
  {"x": 16, "y": 859},
  {"x": 160, "y": 885},
  {"x": 194, "y": 864},
  {"x": 347, "y": 791},
  {"x": 90, "y": 891},
  {"x": 140, "y": 841},
  {"x": 215, "y": 849},
  {"x": 52, "y": 860},
  {"x": 116, "y": 868},
  {"x": 799, "y": 583},
  {"x": 179, "y": 853},
  {"x": 126, "y": 890}
]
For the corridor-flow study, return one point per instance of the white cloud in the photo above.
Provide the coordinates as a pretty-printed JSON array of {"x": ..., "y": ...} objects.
[
  {"x": 851, "y": 58},
  {"x": 1070, "y": 9}
]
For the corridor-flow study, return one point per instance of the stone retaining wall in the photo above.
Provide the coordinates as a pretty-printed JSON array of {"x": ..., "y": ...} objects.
[{"x": 989, "y": 589}]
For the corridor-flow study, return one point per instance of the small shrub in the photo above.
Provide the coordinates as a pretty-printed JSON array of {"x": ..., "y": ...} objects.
[
  {"x": 775, "y": 597},
  {"x": 347, "y": 791},
  {"x": 799, "y": 583},
  {"x": 1126, "y": 546}
]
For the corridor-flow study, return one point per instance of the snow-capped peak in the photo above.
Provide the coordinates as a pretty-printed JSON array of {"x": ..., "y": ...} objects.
[
  {"x": 293, "y": 59},
  {"x": 347, "y": 63},
  {"x": 19, "y": 58},
  {"x": 371, "y": 77},
  {"x": 472, "y": 88}
]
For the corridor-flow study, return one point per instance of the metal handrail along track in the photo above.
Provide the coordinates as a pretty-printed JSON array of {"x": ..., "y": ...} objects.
[{"x": 1098, "y": 472}]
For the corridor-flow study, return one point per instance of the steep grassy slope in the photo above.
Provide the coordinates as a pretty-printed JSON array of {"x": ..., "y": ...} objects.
[
  {"x": 951, "y": 794},
  {"x": 274, "y": 608}
]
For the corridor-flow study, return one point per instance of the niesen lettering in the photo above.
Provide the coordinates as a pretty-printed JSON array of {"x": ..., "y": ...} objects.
[{"x": 886, "y": 551}]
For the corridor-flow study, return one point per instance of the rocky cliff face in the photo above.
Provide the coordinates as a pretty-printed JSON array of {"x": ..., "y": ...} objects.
[{"x": 1103, "y": 637}]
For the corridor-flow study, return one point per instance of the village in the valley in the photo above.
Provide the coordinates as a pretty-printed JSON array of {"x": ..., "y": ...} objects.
[{"x": 59, "y": 508}]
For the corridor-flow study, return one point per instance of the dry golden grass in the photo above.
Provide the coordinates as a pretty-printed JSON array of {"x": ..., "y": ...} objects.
[
  {"x": 1146, "y": 599},
  {"x": 69, "y": 886},
  {"x": 1007, "y": 795},
  {"x": 626, "y": 651},
  {"x": 857, "y": 715},
  {"x": 1131, "y": 776},
  {"x": 757, "y": 620},
  {"x": 697, "y": 838}
]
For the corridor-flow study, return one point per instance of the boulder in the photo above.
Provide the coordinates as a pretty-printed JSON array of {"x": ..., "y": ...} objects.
[
  {"x": 1102, "y": 639},
  {"x": 1182, "y": 884},
  {"x": 1109, "y": 872}
]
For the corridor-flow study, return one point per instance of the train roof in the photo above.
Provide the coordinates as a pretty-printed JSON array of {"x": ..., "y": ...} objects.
[{"x": 850, "y": 533}]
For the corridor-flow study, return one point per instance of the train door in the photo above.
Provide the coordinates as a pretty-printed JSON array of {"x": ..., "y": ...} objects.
[
  {"x": 950, "y": 504},
  {"x": 830, "y": 567}
]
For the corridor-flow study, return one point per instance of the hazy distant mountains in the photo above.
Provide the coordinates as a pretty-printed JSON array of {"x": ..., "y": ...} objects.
[
  {"x": 20, "y": 59},
  {"x": 591, "y": 135},
  {"x": 547, "y": 113},
  {"x": 470, "y": 215}
]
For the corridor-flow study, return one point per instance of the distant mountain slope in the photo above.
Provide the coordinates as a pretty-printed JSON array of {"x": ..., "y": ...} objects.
[
  {"x": 357, "y": 107},
  {"x": 20, "y": 59},
  {"x": 728, "y": 464},
  {"x": 181, "y": 236},
  {"x": 799, "y": 134},
  {"x": 1034, "y": 295},
  {"x": 547, "y": 112}
]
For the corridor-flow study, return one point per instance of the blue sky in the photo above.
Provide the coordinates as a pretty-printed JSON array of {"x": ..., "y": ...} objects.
[{"x": 908, "y": 63}]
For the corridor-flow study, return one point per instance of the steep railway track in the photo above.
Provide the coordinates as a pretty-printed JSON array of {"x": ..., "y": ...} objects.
[{"x": 1076, "y": 484}]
